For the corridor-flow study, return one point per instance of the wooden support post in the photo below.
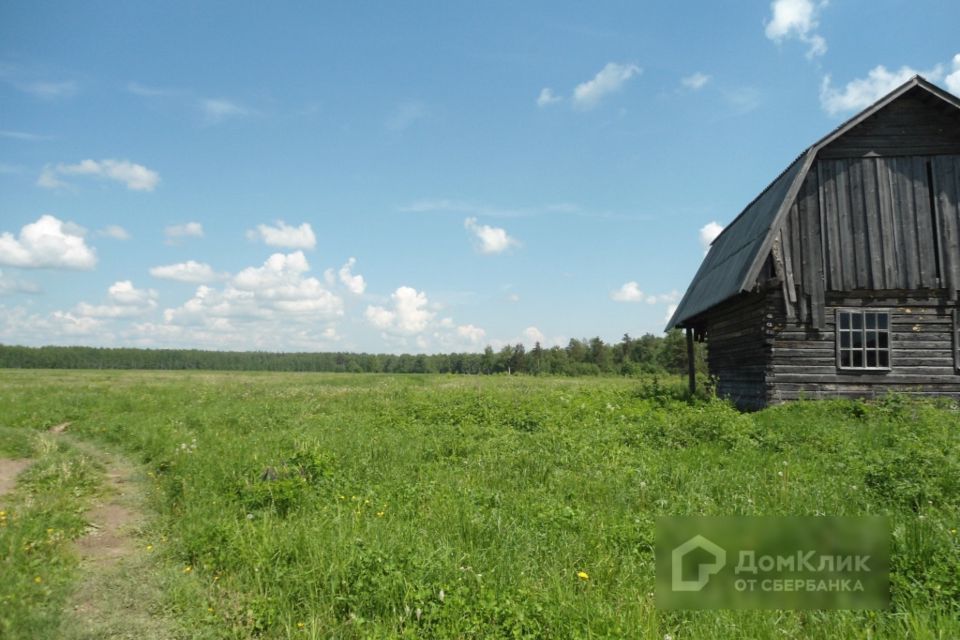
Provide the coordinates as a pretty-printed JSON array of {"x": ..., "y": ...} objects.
[{"x": 691, "y": 365}]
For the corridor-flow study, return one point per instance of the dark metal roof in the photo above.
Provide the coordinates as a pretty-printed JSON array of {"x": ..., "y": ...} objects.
[{"x": 736, "y": 256}]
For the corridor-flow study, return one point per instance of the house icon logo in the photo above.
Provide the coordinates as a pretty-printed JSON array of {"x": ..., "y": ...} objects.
[{"x": 705, "y": 569}]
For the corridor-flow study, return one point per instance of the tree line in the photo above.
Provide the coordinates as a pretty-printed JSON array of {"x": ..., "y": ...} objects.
[{"x": 583, "y": 357}]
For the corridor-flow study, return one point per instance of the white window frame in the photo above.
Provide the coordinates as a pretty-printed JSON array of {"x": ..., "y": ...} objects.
[{"x": 861, "y": 312}]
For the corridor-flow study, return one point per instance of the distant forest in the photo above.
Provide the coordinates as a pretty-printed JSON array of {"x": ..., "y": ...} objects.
[{"x": 587, "y": 357}]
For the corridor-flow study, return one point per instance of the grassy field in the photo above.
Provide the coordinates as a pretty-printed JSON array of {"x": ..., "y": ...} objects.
[{"x": 368, "y": 506}]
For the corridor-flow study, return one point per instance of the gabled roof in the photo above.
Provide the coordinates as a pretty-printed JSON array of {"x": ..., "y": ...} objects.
[{"x": 736, "y": 256}]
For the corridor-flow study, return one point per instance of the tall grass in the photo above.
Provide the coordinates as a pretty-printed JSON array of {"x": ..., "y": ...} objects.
[{"x": 368, "y": 506}]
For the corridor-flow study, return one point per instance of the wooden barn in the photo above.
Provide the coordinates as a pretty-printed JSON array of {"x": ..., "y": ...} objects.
[{"x": 840, "y": 279}]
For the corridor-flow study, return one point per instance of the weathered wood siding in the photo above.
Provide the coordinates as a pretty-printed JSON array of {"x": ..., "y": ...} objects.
[
  {"x": 802, "y": 361},
  {"x": 736, "y": 350},
  {"x": 916, "y": 124},
  {"x": 871, "y": 224}
]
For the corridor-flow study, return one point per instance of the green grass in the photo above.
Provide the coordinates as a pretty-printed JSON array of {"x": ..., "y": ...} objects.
[
  {"x": 37, "y": 522},
  {"x": 374, "y": 506}
]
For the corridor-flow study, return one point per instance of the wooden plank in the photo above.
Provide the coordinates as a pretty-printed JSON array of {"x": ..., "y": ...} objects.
[
  {"x": 927, "y": 243},
  {"x": 871, "y": 212},
  {"x": 906, "y": 214},
  {"x": 809, "y": 202},
  {"x": 831, "y": 226},
  {"x": 858, "y": 217},
  {"x": 786, "y": 246},
  {"x": 945, "y": 202},
  {"x": 893, "y": 275}
]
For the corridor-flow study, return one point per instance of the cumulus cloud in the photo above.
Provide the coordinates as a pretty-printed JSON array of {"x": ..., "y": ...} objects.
[
  {"x": 547, "y": 97},
  {"x": 354, "y": 282},
  {"x": 190, "y": 271},
  {"x": 695, "y": 81},
  {"x": 284, "y": 235},
  {"x": 709, "y": 233},
  {"x": 491, "y": 239},
  {"x": 610, "y": 79},
  {"x": 277, "y": 289},
  {"x": 123, "y": 292},
  {"x": 953, "y": 80},
  {"x": 136, "y": 177},
  {"x": 47, "y": 243},
  {"x": 187, "y": 230},
  {"x": 629, "y": 292},
  {"x": 470, "y": 333},
  {"x": 409, "y": 313},
  {"x": 797, "y": 19},
  {"x": 533, "y": 335}
]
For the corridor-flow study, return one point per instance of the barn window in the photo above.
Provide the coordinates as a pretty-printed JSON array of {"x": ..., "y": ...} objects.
[{"x": 863, "y": 339}]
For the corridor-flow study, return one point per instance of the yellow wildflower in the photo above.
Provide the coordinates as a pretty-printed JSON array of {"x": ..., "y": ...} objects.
[
  {"x": 583, "y": 575},
  {"x": 379, "y": 514},
  {"x": 187, "y": 569},
  {"x": 38, "y": 579},
  {"x": 300, "y": 625}
]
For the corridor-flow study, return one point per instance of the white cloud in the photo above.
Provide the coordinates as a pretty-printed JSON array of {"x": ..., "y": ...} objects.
[
  {"x": 114, "y": 231},
  {"x": 862, "y": 92},
  {"x": 47, "y": 243},
  {"x": 472, "y": 334},
  {"x": 547, "y": 97},
  {"x": 187, "y": 230},
  {"x": 610, "y": 79},
  {"x": 354, "y": 283},
  {"x": 217, "y": 110},
  {"x": 276, "y": 291},
  {"x": 492, "y": 239},
  {"x": 123, "y": 292},
  {"x": 797, "y": 19},
  {"x": 671, "y": 309},
  {"x": 953, "y": 80},
  {"x": 533, "y": 335},
  {"x": 189, "y": 271},
  {"x": 10, "y": 284},
  {"x": 709, "y": 233},
  {"x": 695, "y": 81},
  {"x": 284, "y": 235},
  {"x": 409, "y": 315},
  {"x": 136, "y": 177},
  {"x": 629, "y": 292}
]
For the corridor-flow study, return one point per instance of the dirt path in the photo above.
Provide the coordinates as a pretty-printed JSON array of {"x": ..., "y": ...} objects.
[
  {"x": 9, "y": 470},
  {"x": 117, "y": 594}
]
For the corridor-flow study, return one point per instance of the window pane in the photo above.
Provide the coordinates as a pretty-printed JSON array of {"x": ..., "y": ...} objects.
[
  {"x": 844, "y": 358},
  {"x": 871, "y": 339},
  {"x": 871, "y": 319},
  {"x": 844, "y": 339},
  {"x": 883, "y": 340},
  {"x": 883, "y": 320},
  {"x": 871, "y": 358},
  {"x": 884, "y": 359},
  {"x": 857, "y": 358},
  {"x": 857, "y": 320},
  {"x": 844, "y": 320},
  {"x": 857, "y": 337}
]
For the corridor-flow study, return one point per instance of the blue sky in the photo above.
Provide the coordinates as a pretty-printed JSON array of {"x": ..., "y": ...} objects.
[{"x": 417, "y": 177}]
